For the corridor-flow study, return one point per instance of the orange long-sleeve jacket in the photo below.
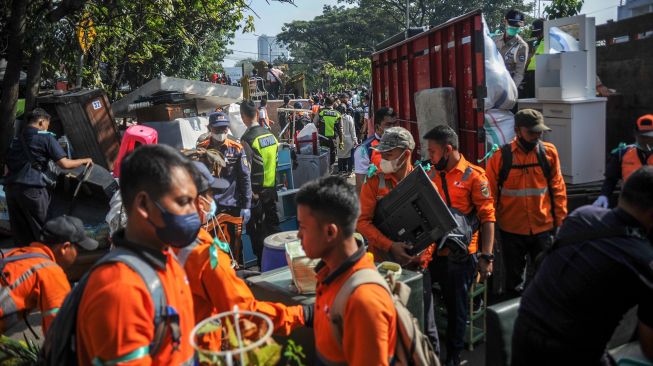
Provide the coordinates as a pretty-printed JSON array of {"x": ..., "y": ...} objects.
[
  {"x": 524, "y": 207},
  {"x": 369, "y": 322},
  {"x": 32, "y": 283},
  {"x": 218, "y": 289},
  {"x": 468, "y": 189},
  {"x": 115, "y": 317},
  {"x": 371, "y": 192}
]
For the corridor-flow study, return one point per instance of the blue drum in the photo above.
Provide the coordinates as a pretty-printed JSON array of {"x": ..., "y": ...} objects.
[{"x": 274, "y": 250}]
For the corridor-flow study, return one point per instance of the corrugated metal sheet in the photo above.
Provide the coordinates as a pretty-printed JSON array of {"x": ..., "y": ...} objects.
[{"x": 449, "y": 55}]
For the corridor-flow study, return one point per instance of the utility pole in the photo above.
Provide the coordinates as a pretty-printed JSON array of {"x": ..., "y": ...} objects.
[{"x": 407, "y": 16}]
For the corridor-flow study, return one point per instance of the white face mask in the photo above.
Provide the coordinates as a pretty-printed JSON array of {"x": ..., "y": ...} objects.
[
  {"x": 391, "y": 166},
  {"x": 220, "y": 137}
]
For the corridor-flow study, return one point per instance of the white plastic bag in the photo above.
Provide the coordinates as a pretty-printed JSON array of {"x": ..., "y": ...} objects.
[
  {"x": 116, "y": 217},
  {"x": 560, "y": 41},
  {"x": 236, "y": 124},
  {"x": 499, "y": 127},
  {"x": 501, "y": 89},
  {"x": 305, "y": 139}
]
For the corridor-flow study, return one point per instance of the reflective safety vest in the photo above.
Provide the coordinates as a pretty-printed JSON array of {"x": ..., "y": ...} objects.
[
  {"x": 328, "y": 119},
  {"x": 9, "y": 315},
  {"x": 538, "y": 51},
  {"x": 632, "y": 160},
  {"x": 266, "y": 148}
]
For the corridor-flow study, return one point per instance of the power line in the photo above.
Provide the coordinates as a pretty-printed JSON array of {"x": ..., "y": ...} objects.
[{"x": 599, "y": 10}]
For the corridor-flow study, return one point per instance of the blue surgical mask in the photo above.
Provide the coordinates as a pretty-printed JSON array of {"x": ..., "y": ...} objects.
[
  {"x": 179, "y": 231},
  {"x": 210, "y": 214}
]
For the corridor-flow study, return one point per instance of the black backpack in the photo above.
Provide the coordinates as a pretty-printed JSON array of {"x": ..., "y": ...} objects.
[
  {"x": 59, "y": 346},
  {"x": 542, "y": 162}
]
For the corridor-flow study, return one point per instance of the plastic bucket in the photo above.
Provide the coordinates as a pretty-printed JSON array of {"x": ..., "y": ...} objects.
[{"x": 274, "y": 250}]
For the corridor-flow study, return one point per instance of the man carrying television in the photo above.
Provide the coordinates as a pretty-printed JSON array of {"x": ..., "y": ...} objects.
[
  {"x": 465, "y": 189},
  {"x": 396, "y": 147}
]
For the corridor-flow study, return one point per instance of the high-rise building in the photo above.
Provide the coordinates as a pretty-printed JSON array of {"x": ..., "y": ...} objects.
[
  {"x": 633, "y": 8},
  {"x": 269, "y": 50}
]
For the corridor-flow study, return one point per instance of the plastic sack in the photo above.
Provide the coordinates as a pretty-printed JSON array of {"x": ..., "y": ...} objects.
[
  {"x": 236, "y": 124},
  {"x": 560, "y": 41},
  {"x": 501, "y": 89},
  {"x": 499, "y": 127},
  {"x": 116, "y": 217}
]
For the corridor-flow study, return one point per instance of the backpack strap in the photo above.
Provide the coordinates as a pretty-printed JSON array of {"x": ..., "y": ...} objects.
[
  {"x": 358, "y": 278},
  {"x": 165, "y": 316},
  {"x": 445, "y": 189},
  {"x": 543, "y": 161},
  {"x": 506, "y": 166}
]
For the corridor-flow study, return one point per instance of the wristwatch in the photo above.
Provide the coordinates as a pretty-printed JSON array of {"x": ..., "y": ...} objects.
[{"x": 487, "y": 256}]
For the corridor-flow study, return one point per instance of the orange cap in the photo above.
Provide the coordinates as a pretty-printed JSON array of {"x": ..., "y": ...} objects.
[{"x": 645, "y": 125}]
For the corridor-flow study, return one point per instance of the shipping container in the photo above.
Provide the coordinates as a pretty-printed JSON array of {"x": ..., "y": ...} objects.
[{"x": 449, "y": 55}]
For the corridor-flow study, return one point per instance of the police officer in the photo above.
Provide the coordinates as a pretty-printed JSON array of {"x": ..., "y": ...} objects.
[
  {"x": 512, "y": 47},
  {"x": 625, "y": 159},
  {"x": 261, "y": 149},
  {"x": 536, "y": 47},
  {"x": 26, "y": 187},
  {"x": 329, "y": 124},
  {"x": 236, "y": 199}
]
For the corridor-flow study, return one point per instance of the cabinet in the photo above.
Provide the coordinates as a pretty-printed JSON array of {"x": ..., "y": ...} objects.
[{"x": 578, "y": 133}]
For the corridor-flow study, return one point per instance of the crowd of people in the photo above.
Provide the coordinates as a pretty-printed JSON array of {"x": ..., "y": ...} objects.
[{"x": 577, "y": 273}]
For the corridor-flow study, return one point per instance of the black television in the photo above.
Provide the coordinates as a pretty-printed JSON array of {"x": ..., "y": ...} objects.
[{"x": 413, "y": 212}]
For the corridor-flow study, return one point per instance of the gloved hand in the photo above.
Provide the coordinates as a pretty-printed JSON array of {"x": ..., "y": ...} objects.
[
  {"x": 602, "y": 201},
  {"x": 245, "y": 213}
]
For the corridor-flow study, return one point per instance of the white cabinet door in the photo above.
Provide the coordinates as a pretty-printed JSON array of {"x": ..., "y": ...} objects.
[{"x": 560, "y": 136}]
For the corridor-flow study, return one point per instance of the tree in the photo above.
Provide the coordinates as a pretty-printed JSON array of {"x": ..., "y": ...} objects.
[
  {"x": 354, "y": 74},
  {"x": 245, "y": 61},
  {"x": 338, "y": 35},
  {"x": 435, "y": 12},
  {"x": 563, "y": 8}
]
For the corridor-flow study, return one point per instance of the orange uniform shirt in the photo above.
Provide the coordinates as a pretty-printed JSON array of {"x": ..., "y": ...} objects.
[
  {"x": 525, "y": 204},
  {"x": 216, "y": 290},
  {"x": 44, "y": 289},
  {"x": 370, "y": 319},
  {"x": 371, "y": 192},
  {"x": 630, "y": 162},
  {"x": 116, "y": 313},
  {"x": 467, "y": 191}
]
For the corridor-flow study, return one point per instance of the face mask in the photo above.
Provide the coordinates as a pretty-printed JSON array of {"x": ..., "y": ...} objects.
[
  {"x": 179, "y": 231},
  {"x": 391, "y": 166},
  {"x": 441, "y": 164},
  {"x": 210, "y": 214},
  {"x": 512, "y": 31},
  {"x": 527, "y": 145},
  {"x": 220, "y": 137}
]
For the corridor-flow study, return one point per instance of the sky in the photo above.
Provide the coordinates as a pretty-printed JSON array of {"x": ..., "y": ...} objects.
[{"x": 269, "y": 18}]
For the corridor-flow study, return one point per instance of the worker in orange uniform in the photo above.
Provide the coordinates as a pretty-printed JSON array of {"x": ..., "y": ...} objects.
[
  {"x": 365, "y": 157},
  {"x": 626, "y": 159},
  {"x": 116, "y": 321},
  {"x": 395, "y": 147},
  {"x": 464, "y": 188},
  {"x": 529, "y": 195},
  {"x": 213, "y": 281},
  {"x": 34, "y": 277},
  {"x": 327, "y": 210}
]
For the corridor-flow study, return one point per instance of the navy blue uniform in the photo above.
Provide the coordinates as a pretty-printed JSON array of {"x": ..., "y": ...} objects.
[
  {"x": 581, "y": 291},
  {"x": 27, "y": 195},
  {"x": 237, "y": 172}
]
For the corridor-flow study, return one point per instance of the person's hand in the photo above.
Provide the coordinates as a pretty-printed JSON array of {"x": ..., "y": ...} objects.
[
  {"x": 246, "y": 214},
  {"x": 87, "y": 161},
  {"x": 400, "y": 254},
  {"x": 485, "y": 268},
  {"x": 603, "y": 91},
  {"x": 601, "y": 201}
]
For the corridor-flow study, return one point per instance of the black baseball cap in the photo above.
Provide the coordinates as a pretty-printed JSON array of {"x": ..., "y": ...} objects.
[
  {"x": 67, "y": 229},
  {"x": 207, "y": 180}
]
